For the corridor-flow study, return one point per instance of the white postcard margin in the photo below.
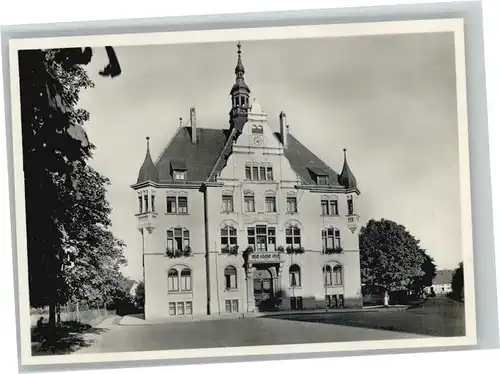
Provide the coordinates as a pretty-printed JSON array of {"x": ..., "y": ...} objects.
[{"x": 225, "y": 35}]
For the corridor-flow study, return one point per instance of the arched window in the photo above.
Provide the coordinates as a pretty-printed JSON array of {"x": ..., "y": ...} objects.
[
  {"x": 327, "y": 275},
  {"x": 330, "y": 238},
  {"x": 228, "y": 236},
  {"x": 186, "y": 279},
  {"x": 337, "y": 275},
  {"x": 294, "y": 275},
  {"x": 230, "y": 277},
  {"x": 173, "y": 280}
]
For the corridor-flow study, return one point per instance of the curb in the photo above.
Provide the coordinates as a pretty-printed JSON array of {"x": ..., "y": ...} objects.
[{"x": 135, "y": 321}]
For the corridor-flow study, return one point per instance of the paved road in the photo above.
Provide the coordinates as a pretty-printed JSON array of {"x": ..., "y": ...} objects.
[{"x": 230, "y": 333}]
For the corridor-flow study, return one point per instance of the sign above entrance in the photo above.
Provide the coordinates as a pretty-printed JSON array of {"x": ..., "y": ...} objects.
[{"x": 265, "y": 257}]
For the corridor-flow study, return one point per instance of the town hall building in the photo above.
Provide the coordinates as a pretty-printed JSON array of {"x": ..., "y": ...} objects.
[{"x": 244, "y": 219}]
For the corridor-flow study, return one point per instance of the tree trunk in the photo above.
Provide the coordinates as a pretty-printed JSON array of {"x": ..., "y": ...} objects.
[
  {"x": 52, "y": 315},
  {"x": 58, "y": 313},
  {"x": 386, "y": 298}
]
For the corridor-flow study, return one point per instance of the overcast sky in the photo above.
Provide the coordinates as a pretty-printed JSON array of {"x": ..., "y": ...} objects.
[{"x": 390, "y": 100}]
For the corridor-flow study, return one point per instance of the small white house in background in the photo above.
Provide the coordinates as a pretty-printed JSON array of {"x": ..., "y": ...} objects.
[{"x": 442, "y": 282}]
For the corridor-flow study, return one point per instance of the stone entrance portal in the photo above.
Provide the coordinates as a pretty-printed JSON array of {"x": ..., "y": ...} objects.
[{"x": 262, "y": 288}]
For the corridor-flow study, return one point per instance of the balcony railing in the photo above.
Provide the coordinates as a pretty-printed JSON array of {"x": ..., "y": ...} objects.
[{"x": 353, "y": 222}]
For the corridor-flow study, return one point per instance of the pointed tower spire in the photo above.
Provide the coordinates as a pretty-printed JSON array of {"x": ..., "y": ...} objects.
[
  {"x": 347, "y": 178},
  {"x": 148, "y": 171},
  {"x": 239, "y": 70},
  {"x": 240, "y": 96}
]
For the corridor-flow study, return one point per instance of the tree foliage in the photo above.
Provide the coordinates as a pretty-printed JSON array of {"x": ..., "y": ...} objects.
[
  {"x": 390, "y": 256},
  {"x": 457, "y": 282},
  {"x": 428, "y": 268},
  {"x": 140, "y": 296},
  {"x": 67, "y": 215}
]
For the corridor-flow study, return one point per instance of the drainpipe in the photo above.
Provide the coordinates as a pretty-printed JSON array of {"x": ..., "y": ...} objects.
[{"x": 207, "y": 248}]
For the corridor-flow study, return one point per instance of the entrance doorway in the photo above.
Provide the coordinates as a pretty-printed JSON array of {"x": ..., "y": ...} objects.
[{"x": 263, "y": 289}]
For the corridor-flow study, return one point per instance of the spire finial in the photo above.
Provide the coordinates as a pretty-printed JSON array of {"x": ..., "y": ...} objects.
[
  {"x": 239, "y": 47},
  {"x": 147, "y": 142},
  {"x": 345, "y": 153}
]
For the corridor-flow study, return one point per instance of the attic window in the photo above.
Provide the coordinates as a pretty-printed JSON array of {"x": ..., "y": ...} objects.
[
  {"x": 322, "y": 180},
  {"x": 179, "y": 175},
  {"x": 257, "y": 129}
]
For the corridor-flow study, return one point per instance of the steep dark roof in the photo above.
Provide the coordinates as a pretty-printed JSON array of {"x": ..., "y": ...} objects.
[
  {"x": 443, "y": 277},
  {"x": 211, "y": 152},
  {"x": 199, "y": 159},
  {"x": 303, "y": 161},
  {"x": 148, "y": 171},
  {"x": 347, "y": 178}
]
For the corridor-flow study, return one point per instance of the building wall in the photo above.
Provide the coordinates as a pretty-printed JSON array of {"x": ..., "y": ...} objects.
[{"x": 231, "y": 180}]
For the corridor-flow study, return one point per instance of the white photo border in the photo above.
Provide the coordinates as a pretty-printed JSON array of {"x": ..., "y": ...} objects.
[{"x": 455, "y": 25}]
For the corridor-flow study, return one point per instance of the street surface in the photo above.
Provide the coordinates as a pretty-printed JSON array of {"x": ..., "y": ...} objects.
[
  {"x": 230, "y": 333},
  {"x": 437, "y": 317}
]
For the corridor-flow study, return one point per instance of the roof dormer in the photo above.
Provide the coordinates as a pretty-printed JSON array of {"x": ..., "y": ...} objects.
[{"x": 179, "y": 170}]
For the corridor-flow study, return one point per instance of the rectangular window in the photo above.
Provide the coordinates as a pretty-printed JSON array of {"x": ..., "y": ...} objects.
[
  {"x": 235, "y": 306},
  {"x": 140, "y": 204},
  {"x": 322, "y": 180},
  {"x": 269, "y": 173},
  {"x": 261, "y": 236},
  {"x": 334, "y": 208},
  {"x": 331, "y": 238},
  {"x": 177, "y": 239},
  {"x": 152, "y": 203},
  {"x": 293, "y": 303},
  {"x": 189, "y": 307},
  {"x": 299, "y": 302},
  {"x": 350, "y": 206},
  {"x": 179, "y": 175},
  {"x": 146, "y": 204},
  {"x": 251, "y": 236},
  {"x": 227, "y": 203},
  {"x": 324, "y": 207},
  {"x": 271, "y": 204},
  {"x": 341, "y": 301},
  {"x": 228, "y": 306},
  {"x": 262, "y": 173},
  {"x": 171, "y": 204},
  {"x": 248, "y": 173},
  {"x": 271, "y": 239},
  {"x": 171, "y": 309},
  {"x": 183, "y": 204},
  {"x": 255, "y": 173},
  {"x": 180, "y": 308},
  {"x": 249, "y": 204},
  {"x": 291, "y": 205},
  {"x": 329, "y": 207}
]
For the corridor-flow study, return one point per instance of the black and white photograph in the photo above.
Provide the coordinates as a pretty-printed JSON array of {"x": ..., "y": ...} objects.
[{"x": 242, "y": 192}]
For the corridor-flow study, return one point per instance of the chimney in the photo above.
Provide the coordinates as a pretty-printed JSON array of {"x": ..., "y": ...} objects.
[
  {"x": 192, "y": 119},
  {"x": 283, "y": 129}
]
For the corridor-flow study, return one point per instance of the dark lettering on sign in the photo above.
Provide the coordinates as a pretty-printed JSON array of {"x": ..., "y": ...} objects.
[{"x": 265, "y": 256}]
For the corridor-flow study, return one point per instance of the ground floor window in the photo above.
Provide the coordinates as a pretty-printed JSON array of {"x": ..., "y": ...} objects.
[
  {"x": 296, "y": 303},
  {"x": 232, "y": 306},
  {"x": 180, "y": 308},
  {"x": 335, "y": 301}
]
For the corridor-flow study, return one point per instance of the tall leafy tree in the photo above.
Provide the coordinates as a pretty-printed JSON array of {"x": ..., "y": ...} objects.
[
  {"x": 419, "y": 283},
  {"x": 390, "y": 257},
  {"x": 54, "y": 146},
  {"x": 457, "y": 282}
]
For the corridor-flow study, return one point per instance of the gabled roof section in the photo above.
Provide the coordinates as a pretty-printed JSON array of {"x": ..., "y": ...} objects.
[
  {"x": 197, "y": 159},
  {"x": 303, "y": 161}
]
